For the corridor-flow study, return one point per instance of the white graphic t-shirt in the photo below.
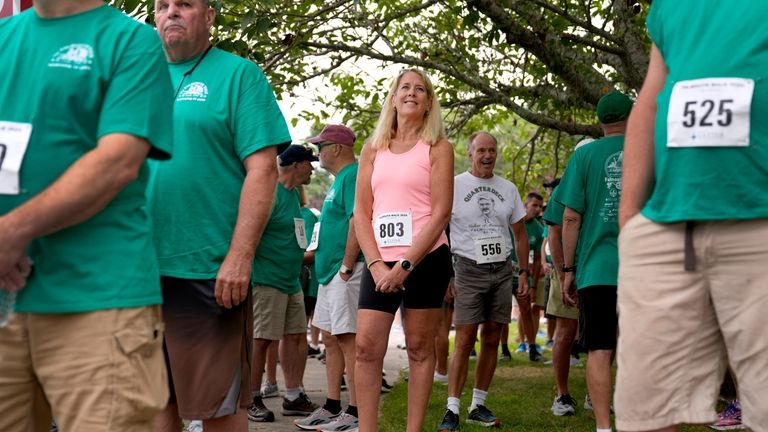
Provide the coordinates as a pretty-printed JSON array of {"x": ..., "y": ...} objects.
[{"x": 483, "y": 210}]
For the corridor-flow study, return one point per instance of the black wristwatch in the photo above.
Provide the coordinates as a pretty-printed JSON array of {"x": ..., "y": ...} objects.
[
  {"x": 345, "y": 270},
  {"x": 571, "y": 269},
  {"x": 406, "y": 264},
  {"x": 523, "y": 270}
]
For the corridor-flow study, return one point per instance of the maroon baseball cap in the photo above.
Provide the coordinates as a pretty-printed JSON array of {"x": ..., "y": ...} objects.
[{"x": 337, "y": 134}]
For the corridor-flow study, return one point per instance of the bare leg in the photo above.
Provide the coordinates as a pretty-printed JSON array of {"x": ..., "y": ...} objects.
[
  {"x": 291, "y": 359},
  {"x": 271, "y": 362},
  {"x": 168, "y": 419},
  {"x": 420, "y": 328},
  {"x": 486, "y": 362},
  {"x": 526, "y": 320},
  {"x": 441, "y": 341},
  {"x": 371, "y": 344},
  {"x": 347, "y": 344},
  {"x": 334, "y": 365},
  {"x": 465, "y": 340},
  {"x": 260, "y": 347},
  {"x": 561, "y": 352},
  {"x": 237, "y": 422},
  {"x": 599, "y": 384}
]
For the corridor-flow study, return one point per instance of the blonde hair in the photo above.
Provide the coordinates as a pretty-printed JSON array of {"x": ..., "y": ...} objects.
[{"x": 432, "y": 129}]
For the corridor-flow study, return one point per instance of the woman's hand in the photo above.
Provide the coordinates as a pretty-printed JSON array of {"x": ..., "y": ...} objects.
[{"x": 388, "y": 280}]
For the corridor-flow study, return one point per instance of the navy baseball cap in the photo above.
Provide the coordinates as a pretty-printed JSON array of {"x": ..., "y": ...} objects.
[{"x": 296, "y": 153}]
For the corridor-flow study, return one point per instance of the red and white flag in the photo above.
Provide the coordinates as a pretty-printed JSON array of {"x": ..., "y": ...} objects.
[{"x": 12, "y": 7}]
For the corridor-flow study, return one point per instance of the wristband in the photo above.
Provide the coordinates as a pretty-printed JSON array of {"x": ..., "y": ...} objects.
[
  {"x": 571, "y": 269},
  {"x": 523, "y": 270},
  {"x": 373, "y": 262}
]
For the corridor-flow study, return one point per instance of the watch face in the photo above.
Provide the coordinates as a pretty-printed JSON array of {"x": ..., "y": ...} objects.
[{"x": 405, "y": 264}]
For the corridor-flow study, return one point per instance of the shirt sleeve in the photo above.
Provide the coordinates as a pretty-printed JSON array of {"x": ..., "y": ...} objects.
[
  {"x": 138, "y": 99},
  {"x": 258, "y": 121},
  {"x": 518, "y": 210},
  {"x": 554, "y": 212},
  {"x": 653, "y": 23},
  {"x": 571, "y": 188},
  {"x": 348, "y": 192}
]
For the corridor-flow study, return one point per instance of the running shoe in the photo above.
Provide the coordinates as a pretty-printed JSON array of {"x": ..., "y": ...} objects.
[
  {"x": 301, "y": 406},
  {"x": 483, "y": 416},
  {"x": 385, "y": 387},
  {"x": 257, "y": 412},
  {"x": 344, "y": 422},
  {"x": 318, "y": 417},
  {"x": 523, "y": 347},
  {"x": 450, "y": 422},
  {"x": 195, "y": 426},
  {"x": 564, "y": 405},
  {"x": 269, "y": 390},
  {"x": 440, "y": 378},
  {"x": 313, "y": 352},
  {"x": 730, "y": 418}
]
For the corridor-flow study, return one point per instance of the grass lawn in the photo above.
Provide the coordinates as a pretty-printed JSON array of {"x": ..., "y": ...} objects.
[{"x": 521, "y": 395}]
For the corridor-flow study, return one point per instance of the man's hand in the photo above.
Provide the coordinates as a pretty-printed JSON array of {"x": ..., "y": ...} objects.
[
  {"x": 570, "y": 296},
  {"x": 345, "y": 276},
  {"x": 233, "y": 280},
  {"x": 16, "y": 279},
  {"x": 522, "y": 286}
]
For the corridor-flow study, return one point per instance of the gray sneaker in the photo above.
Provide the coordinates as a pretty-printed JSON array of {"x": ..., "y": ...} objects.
[
  {"x": 564, "y": 405},
  {"x": 269, "y": 390},
  {"x": 344, "y": 422},
  {"x": 483, "y": 416},
  {"x": 257, "y": 412},
  {"x": 301, "y": 406},
  {"x": 318, "y": 417}
]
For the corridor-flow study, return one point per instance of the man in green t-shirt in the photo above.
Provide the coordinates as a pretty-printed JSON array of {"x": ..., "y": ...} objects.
[
  {"x": 278, "y": 302},
  {"x": 590, "y": 191},
  {"x": 210, "y": 205},
  {"x": 86, "y": 100},
  {"x": 339, "y": 268},
  {"x": 694, "y": 219}
]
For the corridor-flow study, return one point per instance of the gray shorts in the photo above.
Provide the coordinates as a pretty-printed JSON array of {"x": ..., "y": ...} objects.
[{"x": 483, "y": 291}]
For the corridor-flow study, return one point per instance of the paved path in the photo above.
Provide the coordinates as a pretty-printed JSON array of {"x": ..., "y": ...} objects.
[{"x": 314, "y": 384}]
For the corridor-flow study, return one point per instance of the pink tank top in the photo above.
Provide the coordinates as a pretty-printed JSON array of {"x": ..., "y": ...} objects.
[{"x": 401, "y": 195}]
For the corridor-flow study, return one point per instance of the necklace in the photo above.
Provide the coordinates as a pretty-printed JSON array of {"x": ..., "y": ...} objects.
[{"x": 189, "y": 72}]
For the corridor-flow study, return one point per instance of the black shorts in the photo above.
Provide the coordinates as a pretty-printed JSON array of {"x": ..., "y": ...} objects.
[
  {"x": 219, "y": 341},
  {"x": 309, "y": 305},
  {"x": 598, "y": 319},
  {"x": 424, "y": 288}
]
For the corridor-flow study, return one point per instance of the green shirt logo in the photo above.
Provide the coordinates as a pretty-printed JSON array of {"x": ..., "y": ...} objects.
[{"x": 74, "y": 56}]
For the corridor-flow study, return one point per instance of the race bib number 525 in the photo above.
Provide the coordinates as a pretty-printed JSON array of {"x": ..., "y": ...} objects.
[{"x": 710, "y": 112}]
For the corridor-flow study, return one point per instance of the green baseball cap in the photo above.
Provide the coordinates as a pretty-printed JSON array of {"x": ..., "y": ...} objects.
[{"x": 613, "y": 107}]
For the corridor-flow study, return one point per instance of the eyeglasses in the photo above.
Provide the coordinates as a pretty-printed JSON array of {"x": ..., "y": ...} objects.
[{"x": 322, "y": 145}]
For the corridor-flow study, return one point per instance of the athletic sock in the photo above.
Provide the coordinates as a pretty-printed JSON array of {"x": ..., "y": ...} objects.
[
  {"x": 293, "y": 393},
  {"x": 352, "y": 410},
  {"x": 439, "y": 376},
  {"x": 454, "y": 404},
  {"x": 603, "y": 430},
  {"x": 333, "y": 406},
  {"x": 478, "y": 398}
]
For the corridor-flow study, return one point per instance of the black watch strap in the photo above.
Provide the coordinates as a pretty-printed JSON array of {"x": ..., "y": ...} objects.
[{"x": 571, "y": 269}]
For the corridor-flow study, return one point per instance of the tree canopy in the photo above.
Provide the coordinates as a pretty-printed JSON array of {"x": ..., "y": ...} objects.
[{"x": 533, "y": 69}]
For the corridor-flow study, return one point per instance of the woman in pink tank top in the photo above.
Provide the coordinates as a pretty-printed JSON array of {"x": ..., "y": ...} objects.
[{"x": 402, "y": 205}]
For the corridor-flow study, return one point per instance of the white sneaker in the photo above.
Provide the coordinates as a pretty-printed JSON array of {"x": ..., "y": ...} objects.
[
  {"x": 344, "y": 422},
  {"x": 440, "y": 378},
  {"x": 195, "y": 426},
  {"x": 564, "y": 405},
  {"x": 269, "y": 390}
]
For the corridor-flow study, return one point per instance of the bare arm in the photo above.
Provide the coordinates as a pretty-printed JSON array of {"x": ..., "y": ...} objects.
[
  {"x": 571, "y": 227},
  {"x": 351, "y": 250},
  {"x": 82, "y": 191},
  {"x": 556, "y": 248},
  {"x": 521, "y": 247},
  {"x": 256, "y": 199},
  {"x": 363, "y": 214},
  {"x": 637, "y": 175}
]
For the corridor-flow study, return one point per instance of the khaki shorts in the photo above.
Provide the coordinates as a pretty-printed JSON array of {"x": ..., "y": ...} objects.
[
  {"x": 276, "y": 314},
  {"x": 677, "y": 325},
  {"x": 483, "y": 291},
  {"x": 100, "y": 371},
  {"x": 555, "y": 306},
  {"x": 336, "y": 307},
  {"x": 541, "y": 293}
]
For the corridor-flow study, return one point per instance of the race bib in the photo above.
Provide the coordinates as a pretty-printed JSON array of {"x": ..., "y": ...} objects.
[
  {"x": 301, "y": 233},
  {"x": 14, "y": 139},
  {"x": 490, "y": 249},
  {"x": 313, "y": 241},
  {"x": 393, "y": 229},
  {"x": 710, "y": 112}
]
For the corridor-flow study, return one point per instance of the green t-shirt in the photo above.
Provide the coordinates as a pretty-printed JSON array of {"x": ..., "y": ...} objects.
[
  {"x": 554, "y": 212},
  {"x": 535, "y": 231},
  {"x": 334, "y": 224},
  {"x": 77, "y": 79},
  {"x": 309, "y": 224},
  {"x": 592, "y": 187},
  {"x": 278, "y": 258},
  {"x": 225, "y": 110},
  {"x": 703, "y": 183}
]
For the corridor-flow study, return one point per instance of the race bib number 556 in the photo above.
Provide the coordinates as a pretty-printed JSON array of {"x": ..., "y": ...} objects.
[{"x": 710, "y": 112}]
